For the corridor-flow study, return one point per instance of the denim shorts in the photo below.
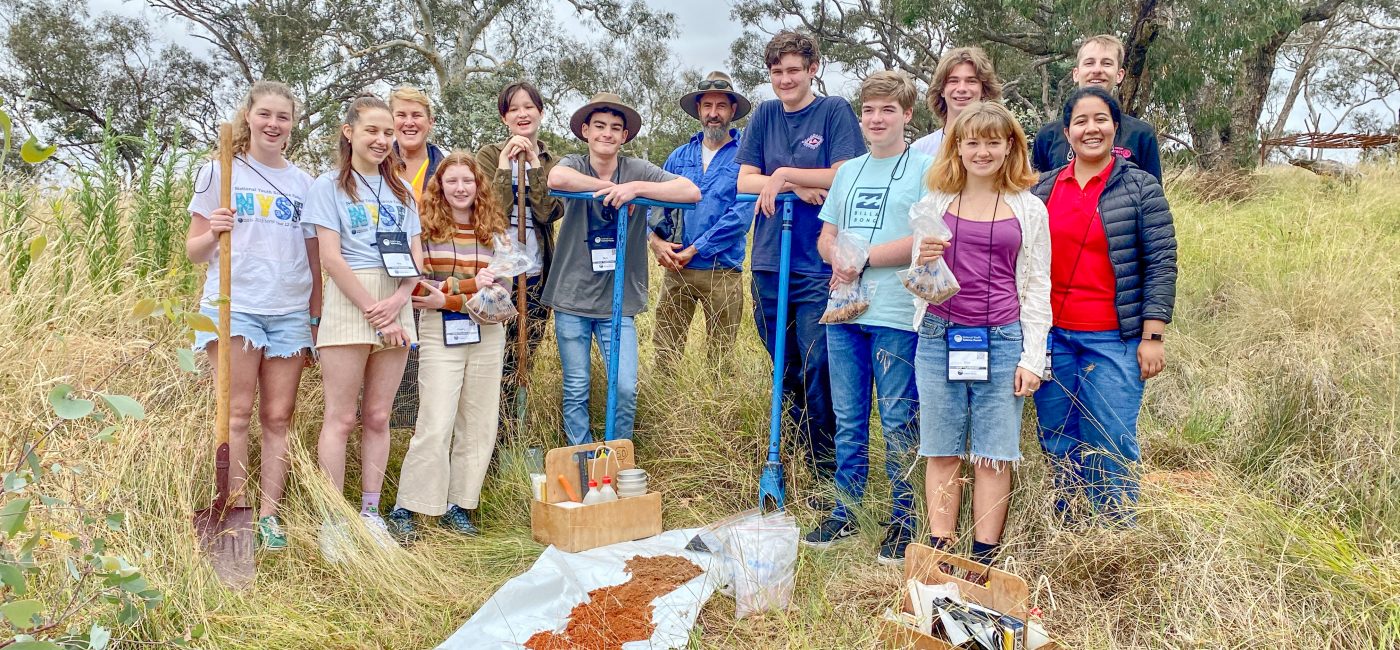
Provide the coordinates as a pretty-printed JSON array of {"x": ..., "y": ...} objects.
[
  {"x": 970, "y": 420},
  {"x": 283, "y": 335}
]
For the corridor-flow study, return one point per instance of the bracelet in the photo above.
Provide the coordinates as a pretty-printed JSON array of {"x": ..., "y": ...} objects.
[{"x": 315, "y": 321}]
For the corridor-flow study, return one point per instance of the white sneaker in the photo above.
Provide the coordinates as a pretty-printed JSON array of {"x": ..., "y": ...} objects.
[
  {"x": 378, "y": 529},
  {"x": 333, "y": 541}
]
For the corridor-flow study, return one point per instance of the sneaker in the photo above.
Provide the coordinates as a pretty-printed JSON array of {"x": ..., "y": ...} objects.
[
  {"x": 897, "y": 538},
  {"x": 270, "y": 534},
  {"x": 378, "y": 530},
  {"x": 333, "y": 541},
  {"x": 829, "y": 532},
  {"x": 458, "y": 520},
  {"x": 401, "y": 526}
]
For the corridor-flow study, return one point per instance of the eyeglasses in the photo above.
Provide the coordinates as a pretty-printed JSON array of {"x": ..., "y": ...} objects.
[{"x": 715, "y": 84}]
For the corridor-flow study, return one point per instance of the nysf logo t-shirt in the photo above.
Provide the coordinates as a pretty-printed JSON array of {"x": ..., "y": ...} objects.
[
  {"x": 360, "y": 221},
  {"x": 269, "y": 269}
]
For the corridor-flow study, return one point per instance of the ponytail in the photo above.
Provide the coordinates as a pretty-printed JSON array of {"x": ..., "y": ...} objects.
[{"x": 388, "y": 168}]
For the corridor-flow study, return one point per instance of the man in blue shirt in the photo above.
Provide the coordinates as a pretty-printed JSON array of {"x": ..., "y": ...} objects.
[
  {"x": 794, "y": 144},
  {"x": 703, "y": 253}
]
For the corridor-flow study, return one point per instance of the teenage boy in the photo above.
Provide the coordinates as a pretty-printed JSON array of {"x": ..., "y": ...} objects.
[
  {"x": 794, "y": 144},
  {"x": 413, "y": 126},
  {"x": 1100, "y": 63},
  {"x": 704, "y": 261},
  {"x": 580, "y": 289},
  {"x": 870, "y": 198},
  {"x": 964, "y": 76},
  {"x": 521, "y": 108}
]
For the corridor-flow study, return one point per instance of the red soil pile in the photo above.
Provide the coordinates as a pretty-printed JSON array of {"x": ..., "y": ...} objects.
[{"x": 620, "y": 613}]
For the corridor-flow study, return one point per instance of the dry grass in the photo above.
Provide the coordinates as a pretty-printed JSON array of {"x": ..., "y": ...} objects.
[{"x": 1270, "y": 519}]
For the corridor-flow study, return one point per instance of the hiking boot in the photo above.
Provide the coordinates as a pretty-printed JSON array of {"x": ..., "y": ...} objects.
[
  {"x": 829, "y": 532},
  {"x": 378, "y": 530},
  {"x": 892, "y": 548},
  {"x": 270, "y": 535},
  {"x": 458, "y": 520},
  {"x": 401, "y": 526},
  {"x": 333, "y": 541}
]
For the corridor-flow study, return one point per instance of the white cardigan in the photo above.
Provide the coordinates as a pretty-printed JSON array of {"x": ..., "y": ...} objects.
[{"x": 1032, "y": 270}]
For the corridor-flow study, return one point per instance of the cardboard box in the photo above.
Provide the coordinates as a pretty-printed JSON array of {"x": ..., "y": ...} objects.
[
  {"x": 575, "y": 529},
  {"x": 1004, "y": 592}
]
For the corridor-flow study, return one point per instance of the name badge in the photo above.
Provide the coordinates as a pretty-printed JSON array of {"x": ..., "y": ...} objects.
[
  {"x": 1049, "y": 361},
  {"x": 459, "y": 329},
  {"x": 396, "y": 254},
  {"x": 602, "y": 247},
  {"x": 969, "y": 353}
]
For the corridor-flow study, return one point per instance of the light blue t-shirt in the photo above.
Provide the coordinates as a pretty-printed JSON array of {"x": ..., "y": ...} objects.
[
  {"x": 377, "y": 210},
  {"x": 871, "y": 197}
]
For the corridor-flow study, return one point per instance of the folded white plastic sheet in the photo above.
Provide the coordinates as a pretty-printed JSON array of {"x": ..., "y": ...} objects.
[{"x": 540, "y": 599}]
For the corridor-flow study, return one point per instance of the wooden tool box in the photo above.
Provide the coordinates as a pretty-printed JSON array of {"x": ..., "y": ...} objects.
[
  {"x": 581, "y": 528},
  {"x": 1004, "y": 592}
]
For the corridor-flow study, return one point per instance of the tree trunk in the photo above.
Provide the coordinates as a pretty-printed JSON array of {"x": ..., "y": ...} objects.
[{"x": 1136, "y": 89}]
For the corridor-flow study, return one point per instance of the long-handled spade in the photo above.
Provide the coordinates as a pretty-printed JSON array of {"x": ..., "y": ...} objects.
[
  {"x": 225, "y": 532},
  {"x": 522, "y": 348},
  {"x": 770, "y": 483}
]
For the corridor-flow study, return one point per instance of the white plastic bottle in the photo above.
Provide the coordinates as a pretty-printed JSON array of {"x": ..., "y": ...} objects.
[
  {"x": 609, "y": 494},
  {"x": 594, "y": 495}
]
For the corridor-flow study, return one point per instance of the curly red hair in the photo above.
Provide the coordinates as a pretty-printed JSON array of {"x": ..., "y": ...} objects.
[{"x": 488, "y": 220}]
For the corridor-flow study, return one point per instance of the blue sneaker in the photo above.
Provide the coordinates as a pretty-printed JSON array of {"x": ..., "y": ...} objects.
[
  {"x": 401, "y": 526},
  {"x": 458, "y": 520}
]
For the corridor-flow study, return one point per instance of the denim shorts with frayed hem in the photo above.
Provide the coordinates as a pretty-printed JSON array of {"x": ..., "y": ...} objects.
[
  {"x": 977, "y": 421},
  {"x": 283, "y": 335}
]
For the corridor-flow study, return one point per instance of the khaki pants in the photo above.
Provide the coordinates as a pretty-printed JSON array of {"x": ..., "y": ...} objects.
[
  {"x": 459, "y": 404},
  {"x": 722, "y": 294}
]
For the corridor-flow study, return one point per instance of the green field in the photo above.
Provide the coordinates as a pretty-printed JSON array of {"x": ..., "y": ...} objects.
[{"x": 1271, "y": 517}]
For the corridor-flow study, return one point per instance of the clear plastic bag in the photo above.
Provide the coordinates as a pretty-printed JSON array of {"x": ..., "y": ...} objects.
[
  {"x": 760, "y": 555},
  {"x": 492, "y": 303},
  {"x": 933, "y": 282},
  {"x": 848, "y": 301}
]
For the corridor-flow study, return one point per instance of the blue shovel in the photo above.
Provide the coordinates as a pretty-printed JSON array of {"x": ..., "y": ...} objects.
[
  {"x": 770, "y": 483},
  {"x": 615, "y": 340}
]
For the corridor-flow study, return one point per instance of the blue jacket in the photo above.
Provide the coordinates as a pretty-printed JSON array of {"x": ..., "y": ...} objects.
[{"x": 716, "y": 228}]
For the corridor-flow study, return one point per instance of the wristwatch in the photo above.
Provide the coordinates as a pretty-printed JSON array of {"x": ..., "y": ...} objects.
[
  {"x": 1156, "y": 336},
  {"x": 315, "y": 321}
]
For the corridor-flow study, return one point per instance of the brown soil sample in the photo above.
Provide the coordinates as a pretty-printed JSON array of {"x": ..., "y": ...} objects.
[{"x": 620, "y": 613}]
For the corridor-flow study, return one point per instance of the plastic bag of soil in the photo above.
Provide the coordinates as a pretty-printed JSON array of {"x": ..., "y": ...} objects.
[
  {"x": 933, "y": 282},
  {"x": 492, "y": 303},
  {"x": 760, "y": 555},
  {"x": 848, "y": 301}
]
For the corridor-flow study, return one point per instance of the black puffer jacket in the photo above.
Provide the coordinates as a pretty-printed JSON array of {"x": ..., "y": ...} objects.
[{"x": 1141, "y": 243}]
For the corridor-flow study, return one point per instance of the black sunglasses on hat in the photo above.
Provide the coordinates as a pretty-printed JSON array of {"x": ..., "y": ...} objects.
[{"x": 714, "y": 84}]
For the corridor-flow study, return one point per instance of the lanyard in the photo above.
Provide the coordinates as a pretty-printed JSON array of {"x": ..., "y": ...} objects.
[
  {"x": 378, "y": 202},
  {"x": 296, "y": 209},
  {"x": 991, "y": 244},
  {"x": 896, "y": 174}
]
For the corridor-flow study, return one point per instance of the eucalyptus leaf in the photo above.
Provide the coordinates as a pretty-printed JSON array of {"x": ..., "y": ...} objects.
[
  {"x": 34, "y": 153},
  {"x": 125, "y": 406},
  {"x": 144, "y": 308},
  {"x": 20, "y": 613},
  {"x": 66, "y": 406},
  {"x": 12, "y": 517},
  {"x": 186, "y": 357},
  {"x": 37, "y": 246}
]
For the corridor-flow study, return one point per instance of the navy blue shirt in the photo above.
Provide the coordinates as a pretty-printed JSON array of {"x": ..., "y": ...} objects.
[
  {"x": 1136, "y": 141},
  {"x": 716, "y": 227},
  {"x": 818, "y": 136}
]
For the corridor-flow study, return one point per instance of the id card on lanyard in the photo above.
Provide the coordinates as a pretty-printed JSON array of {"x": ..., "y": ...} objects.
[
  {"x": 969, "y": 353},
  {"x": 602, "y": 234},
  {"x": 396, "y": 254},
  {"x": 459, "y": 329}
]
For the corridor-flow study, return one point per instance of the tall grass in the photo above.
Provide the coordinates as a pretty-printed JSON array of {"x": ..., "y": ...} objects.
[{"x": 1269, "y": 517}]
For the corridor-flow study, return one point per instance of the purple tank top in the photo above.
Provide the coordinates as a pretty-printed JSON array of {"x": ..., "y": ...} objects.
[{"x": 982, "y": 300}]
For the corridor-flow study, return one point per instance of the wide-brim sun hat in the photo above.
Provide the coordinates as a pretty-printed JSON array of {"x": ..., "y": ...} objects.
[
  {"x": 631, "y": 120},
  {"x": 690, "y": 102}
]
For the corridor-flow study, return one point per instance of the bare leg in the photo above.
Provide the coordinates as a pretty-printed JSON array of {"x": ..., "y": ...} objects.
[
  {"x": 342, "y": 373},
  {"x": 280, "y": 378},
  {"x": 991, "y": 498},
  {"x": 383, "y": 373},
  {"x": 943, "y": 493},
  {"x": 243, "y": 386}
]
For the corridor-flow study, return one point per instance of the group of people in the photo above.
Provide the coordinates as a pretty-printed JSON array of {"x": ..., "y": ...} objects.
[{"x": 1067, "y": 283}]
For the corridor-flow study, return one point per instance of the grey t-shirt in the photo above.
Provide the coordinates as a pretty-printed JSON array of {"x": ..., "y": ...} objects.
[
  {"x": 574, "y": 288},
  {"x": 358, "y": 222}
]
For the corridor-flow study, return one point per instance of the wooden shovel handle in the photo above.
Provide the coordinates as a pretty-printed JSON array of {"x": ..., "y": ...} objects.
[
  {"x": 522, "y": 376},
  {"x": 225, "y": 374}
]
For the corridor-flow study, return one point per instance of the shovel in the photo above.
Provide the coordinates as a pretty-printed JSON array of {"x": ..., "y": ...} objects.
[
  {"x": 225, "y": 532},
  {"x": 522, "y": 348},
  {"x": 770, "y": 482}
]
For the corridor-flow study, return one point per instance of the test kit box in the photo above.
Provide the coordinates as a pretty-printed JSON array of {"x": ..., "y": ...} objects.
[
  {"x": 1003, "y": 592},
  {"x": 572, "y": 527}
]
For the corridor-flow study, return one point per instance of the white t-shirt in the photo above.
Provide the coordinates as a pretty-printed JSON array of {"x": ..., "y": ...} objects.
[
  {"x": 929, "y": 144},
  {"x": 269, "y": 268},
  {"x": 532, "y": 242},
  {"x": 706, "y": 155},
  {"x": 377, "y": 210}
]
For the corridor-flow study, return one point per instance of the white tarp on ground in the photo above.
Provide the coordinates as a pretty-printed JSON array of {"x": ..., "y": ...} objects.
[{"x": 541, "y": 598}]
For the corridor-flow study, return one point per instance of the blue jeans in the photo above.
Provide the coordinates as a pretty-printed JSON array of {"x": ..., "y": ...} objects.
[
  {"x": 971, "y": 420},
  {"x": 281, "y": 336},
  {"x": 806, "y": 383},
  {"x": 1088, "y": 418},
  {"x": 575, "y": 336},
  {"x": 861, "y": 354}
]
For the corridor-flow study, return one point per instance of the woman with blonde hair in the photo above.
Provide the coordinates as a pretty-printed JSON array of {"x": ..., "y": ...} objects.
[
  {"x": 275, "y": 303},
  {"x": 982, "y": 351},
  {"x": 459, "y": 360}
]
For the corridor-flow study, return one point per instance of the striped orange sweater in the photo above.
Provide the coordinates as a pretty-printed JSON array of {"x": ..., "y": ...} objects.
[{"x": 453, "y": 264}]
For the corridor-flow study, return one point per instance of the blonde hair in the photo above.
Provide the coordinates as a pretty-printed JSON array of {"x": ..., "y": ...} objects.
[
  {"x": 242, "y": 132},
  {"x": 1106, "y": 40},
  {"x": 411, "y": 94},
  {"x": 981, "y": 66},
  {"x": 982, "y": 120},
  {"x": 488, "y": 220},
  {"x": 890, "y": 84}
]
